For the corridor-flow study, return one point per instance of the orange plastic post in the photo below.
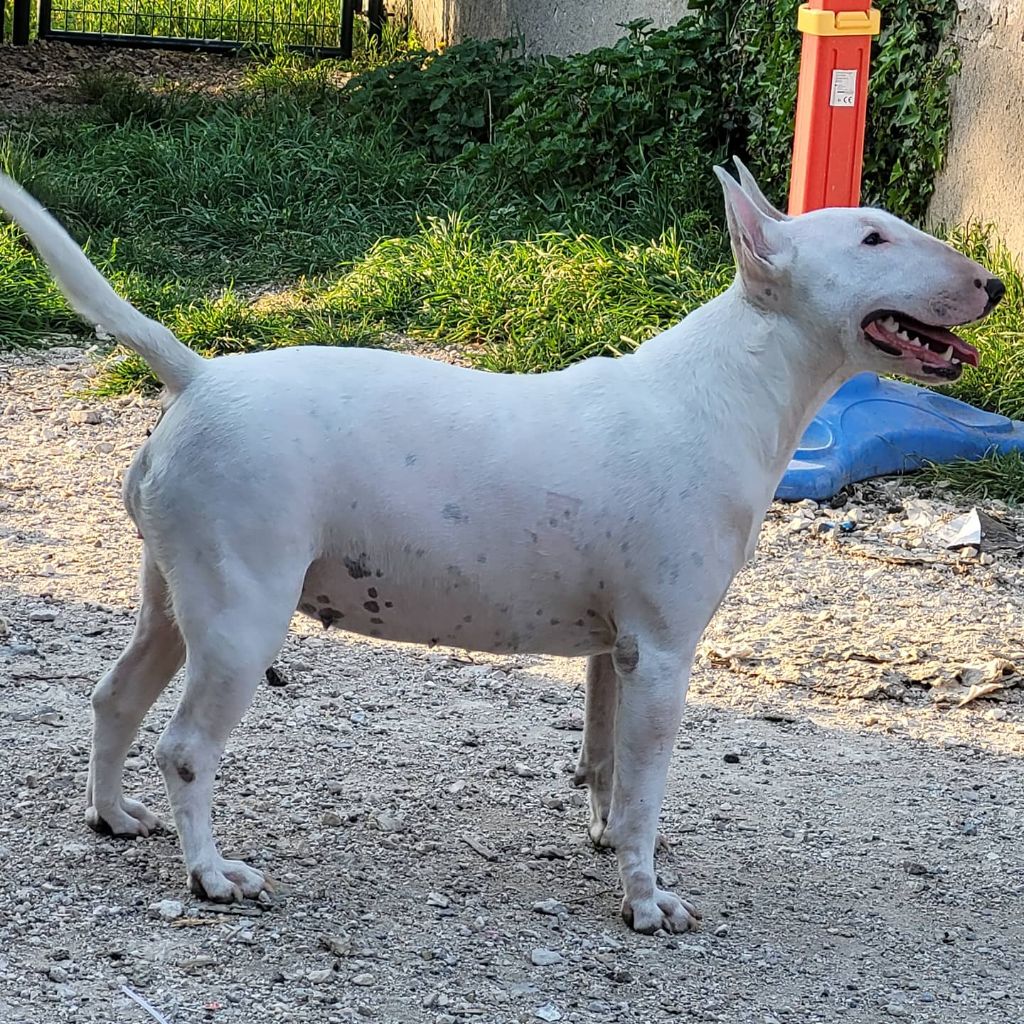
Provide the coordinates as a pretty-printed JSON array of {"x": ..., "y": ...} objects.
[{"x": 831, "y": 105}]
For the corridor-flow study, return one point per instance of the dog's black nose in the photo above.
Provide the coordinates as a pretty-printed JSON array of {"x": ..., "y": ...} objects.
[{"x": 995, "y": 289}]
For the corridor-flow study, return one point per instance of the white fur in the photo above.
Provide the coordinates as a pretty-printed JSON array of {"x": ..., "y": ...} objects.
[{"x": 600, "y": 511}]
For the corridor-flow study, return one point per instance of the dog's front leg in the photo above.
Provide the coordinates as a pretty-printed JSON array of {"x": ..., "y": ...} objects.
[{"x": 652, "y": 682}]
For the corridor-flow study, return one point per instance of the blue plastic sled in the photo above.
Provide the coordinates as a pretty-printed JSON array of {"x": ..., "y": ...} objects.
[{"x": 874, "y": 427}]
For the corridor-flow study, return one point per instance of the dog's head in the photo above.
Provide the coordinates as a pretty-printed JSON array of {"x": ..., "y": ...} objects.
[{"x": 886, "y": 292}]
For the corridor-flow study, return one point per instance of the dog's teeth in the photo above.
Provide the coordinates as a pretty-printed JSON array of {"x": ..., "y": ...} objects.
[
  {"x": 902, "y": 335},
  {"x": 916, "y": 342},
  {"x": 948, "y": 353},
  {"x": 955, "y": 361},
  {"x": 890, "y": 324}
]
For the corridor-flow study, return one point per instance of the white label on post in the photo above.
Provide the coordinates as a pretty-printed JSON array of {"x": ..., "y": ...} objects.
[{"x": 844, "y": 89}]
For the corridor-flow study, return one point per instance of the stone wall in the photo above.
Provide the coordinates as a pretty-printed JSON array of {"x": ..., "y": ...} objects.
[{"x": 559, "y": 26}]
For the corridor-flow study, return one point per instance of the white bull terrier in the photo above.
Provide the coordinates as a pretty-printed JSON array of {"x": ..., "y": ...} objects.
[{"x": 598, "y": 512}]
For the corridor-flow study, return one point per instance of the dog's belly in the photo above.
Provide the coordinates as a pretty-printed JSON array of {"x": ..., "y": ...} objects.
[{"x": 457, "y": 608}]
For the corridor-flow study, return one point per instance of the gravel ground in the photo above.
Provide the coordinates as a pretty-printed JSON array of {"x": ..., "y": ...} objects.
[
  {"x": 45, "y": 73},
  {"x": 855, "y": 844}
]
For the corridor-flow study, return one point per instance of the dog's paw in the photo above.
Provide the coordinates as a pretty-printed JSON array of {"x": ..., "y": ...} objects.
[
  {"x": 127, "y": 819},
  {"x": 227, "y": 881},
  {"x": 664, "y": 910}
]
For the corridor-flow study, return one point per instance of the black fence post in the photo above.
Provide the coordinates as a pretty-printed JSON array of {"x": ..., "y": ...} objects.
[
  {"x": 20, "y": 22},
  {"x": 347, "y": 17},
  {"x": 45, "y": 19},
  {"x": 375, "y": 17}
]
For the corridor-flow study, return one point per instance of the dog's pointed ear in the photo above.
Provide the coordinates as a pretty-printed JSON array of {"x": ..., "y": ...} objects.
[
  {"x": 759, "y": 243},
  {"x": 751, "y": 187}
]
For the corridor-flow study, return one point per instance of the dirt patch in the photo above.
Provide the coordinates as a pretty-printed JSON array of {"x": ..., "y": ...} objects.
[
  {"x": 44, "y": 73},
  {"x": 855, "y": 859}
]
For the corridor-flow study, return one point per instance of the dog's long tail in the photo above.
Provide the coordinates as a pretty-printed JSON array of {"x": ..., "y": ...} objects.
[{"x": 92, "y": 297}]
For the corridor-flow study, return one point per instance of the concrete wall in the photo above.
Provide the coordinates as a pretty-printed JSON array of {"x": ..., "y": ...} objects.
[
  {"x": 558, "y": 26},
  {"x": 984, "y": 175}
]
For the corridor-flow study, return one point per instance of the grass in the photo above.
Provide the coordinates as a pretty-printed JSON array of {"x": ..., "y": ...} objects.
[{"x": 999, "y": 477}]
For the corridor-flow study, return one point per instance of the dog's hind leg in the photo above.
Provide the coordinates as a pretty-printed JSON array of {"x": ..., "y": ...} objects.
[
  {"x": 597, "y": 757},
  {"x": 234, "y": 623},
  {"x": 120, "y": 701}
]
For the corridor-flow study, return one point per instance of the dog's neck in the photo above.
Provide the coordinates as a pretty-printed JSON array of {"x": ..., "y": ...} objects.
[{"x": 758, "y": 375}]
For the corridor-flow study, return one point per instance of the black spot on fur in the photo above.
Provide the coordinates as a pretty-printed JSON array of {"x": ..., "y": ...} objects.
[
  {"x": 624, "y": 546},
  {"x": 323, "y": 599},
  {"x": 309, "y": 609},
  {"x": 452, "y": 512},
  {"x": 591, "y": 613},
  {"x": 185, "y": 772},
  {"x": 379, "y": 573},
  {"x": 372, "y": 592},
  {"x": 389, "y": 604},
  {"x": 600, "y": 584},
  {"x": 554, "y": 622},
  {"x": 467, "y": 618},
  {"x": 579, "y": 622},
  {"x": 330, "y": 616},
  {"x": 420, "y": 552},
  {"x": 274, "y": 678},
  {"x": 357, "y": 567},
  {"x": 482, "y": 559},
  {"x": 540, "y": 611},
  {"x": 434, "y": 641},
  {"x": 410, "y": 460},
  {"x": 371, "y": 606},
  {"x": 355, "y": 504},
  {"x": 377, "y": 622}
]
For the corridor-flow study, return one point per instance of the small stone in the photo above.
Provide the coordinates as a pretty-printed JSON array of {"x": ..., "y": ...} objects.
[
  {"x": 896, "y": 1009},
  {"x": 731, "y": 757},
  {"x": 545, "y": 957},
  {"x": 85, "y": 416},
  {"x": 438, "y": 899},
  {"x": 548, "y": 1012},
  {"x": 58, "y": 975},
  {"x": 388, "y": 823},
  {"x": 319, "y": 977},
  {"x": 524, "y": 771},
  {"x": 331, "y": 818},
  {"x": 168, "y": 910},
  {"x": 552, "y": 907},
  {"x": 549, "y": 853},
  {"x": 721, "y": 931},
  {"x": 363, "y": 980},
  {"x": 42, "y": 615},
  {"x": 969, "y": 827},
  {"x": 104, "y": 448}
]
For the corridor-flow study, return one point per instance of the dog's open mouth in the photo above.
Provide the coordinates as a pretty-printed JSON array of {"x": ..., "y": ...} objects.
[{"x": 939, "y": 351}]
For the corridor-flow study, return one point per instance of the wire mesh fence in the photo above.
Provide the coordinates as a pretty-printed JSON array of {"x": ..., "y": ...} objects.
[{"x": 320, "y": 26}]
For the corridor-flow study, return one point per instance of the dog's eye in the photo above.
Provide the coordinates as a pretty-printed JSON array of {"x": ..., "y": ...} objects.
[{"x": 873, "y": 239}]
